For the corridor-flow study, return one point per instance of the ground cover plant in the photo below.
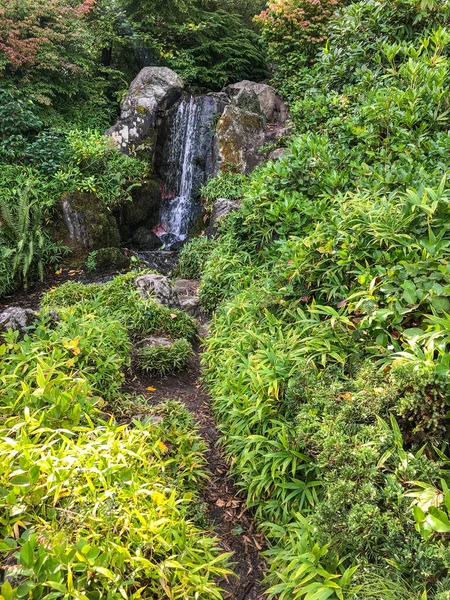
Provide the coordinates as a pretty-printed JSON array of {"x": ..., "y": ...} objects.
[
  {"x": 164, "y": 359},
  {"x": 91, "y": 508},
  {"x": 330, "y": 286}
]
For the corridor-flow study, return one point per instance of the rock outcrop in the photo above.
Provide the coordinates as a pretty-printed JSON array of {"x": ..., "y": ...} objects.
[
  {"x": 86, "y": 224},
  {"x": 16, "y": 318},
  {"x": 255, "y": 115},
  {"x": 258, "y": 97},
  {"x": 158, "y": 288},
  {"x": 240, "y": 134},
  {"x": 154, "y": 89}
]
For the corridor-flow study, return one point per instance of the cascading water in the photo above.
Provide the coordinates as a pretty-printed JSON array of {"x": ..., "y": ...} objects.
[{"x": 186, "y": 163}]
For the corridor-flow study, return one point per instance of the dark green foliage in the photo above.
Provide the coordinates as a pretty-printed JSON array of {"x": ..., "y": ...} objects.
[
  {"x": 209, "y": 43},
  {"x": 164, "y": 359}
]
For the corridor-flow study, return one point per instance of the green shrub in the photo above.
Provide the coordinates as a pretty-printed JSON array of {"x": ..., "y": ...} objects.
[
  {"x": 331, "y": 287},
  {"x": 193, "y": 258},
  {"x": 164, "y": 359},
  {"x": 225, "y": 185},
  {"x": 121, "y": 299},
  {"x": 295, "y": 31},
  {"x": 103, "y": 511}
]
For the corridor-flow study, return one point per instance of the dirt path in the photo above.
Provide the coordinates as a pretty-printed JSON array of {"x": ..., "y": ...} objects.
[{"x": 226, "y": 509}]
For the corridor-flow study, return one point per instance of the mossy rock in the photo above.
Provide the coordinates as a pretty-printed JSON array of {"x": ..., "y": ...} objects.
[
  {"x": 239, "y": 137},
  {"x": 85, "y": 223},
  {"x": 109, "y": 259}
]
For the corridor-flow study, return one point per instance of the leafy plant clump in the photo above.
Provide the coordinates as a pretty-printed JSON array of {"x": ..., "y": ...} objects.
[
  {"x": 193, "y": 258},
  {"x": 120, "y": 299},
  {"x": 330, "y": 287},
  {"x": 92, "y": 508},
  {"x": 103, "y": 510},
  {"x": 162, "y": 359}
]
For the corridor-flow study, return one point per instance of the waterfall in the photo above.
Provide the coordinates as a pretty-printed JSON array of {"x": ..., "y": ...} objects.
[{"x": 187, "y": 161}]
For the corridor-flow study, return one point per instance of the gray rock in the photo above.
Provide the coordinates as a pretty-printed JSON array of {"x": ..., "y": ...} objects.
[
  {"x": 86, "y": 224},
  {"x": 270, "y": 104},
  {"x": 247, "y": 99},
  {"x": 155, "y": 341},
  {"x": 277, "y": 154},
  {"x": 239, "y": 137},
  {"x": 186, "y": 287},
  {"x": 158, "y": 288},
  {"x": 16, "y": 318},
  {"x": 221, "y": 208},
  {"x": 153, "y": 90},
  {"x": 191, "y": 305},
  {"x": 145, "y": 239}
]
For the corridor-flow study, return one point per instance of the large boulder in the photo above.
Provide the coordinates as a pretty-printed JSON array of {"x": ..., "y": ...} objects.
[
  {"x": 86, "y": 224},
  {"x": 16, "y": 318},
  {"x": 246, "y": 94},
  {"x": 158, "y": 288},
  {"x": 221, "y": 208},
  {"x": 153, "y": 90},
  {"x": 239, "y": 137},
  {"x": 145, "y": 239}
]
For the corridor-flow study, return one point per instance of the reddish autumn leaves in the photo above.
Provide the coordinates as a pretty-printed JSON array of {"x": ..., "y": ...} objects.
[{"x": 42, "y": 33}]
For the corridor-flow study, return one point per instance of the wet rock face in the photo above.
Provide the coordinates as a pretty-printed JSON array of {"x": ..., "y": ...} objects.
[
  {"x": 86, "y": 224},
  {"x": 158, "y": 288},
  {"x": 239, "y": 137},
  {"x": 16, "y": 318},
  {"x": 153, "y": 90}
]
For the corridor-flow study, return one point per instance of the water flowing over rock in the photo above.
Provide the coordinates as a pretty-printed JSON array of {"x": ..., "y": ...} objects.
[
  {"x": 186, "y": 161},
  {"x": 187, "y": 139},
  {"x": 154, "y": 89}
]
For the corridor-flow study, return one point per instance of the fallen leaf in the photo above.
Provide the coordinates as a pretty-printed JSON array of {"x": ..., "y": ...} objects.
[
  {"x": 220, "y": 503},
  {"x": 58, "y": 272},
  {"x": 173, "y": 316},
  {"x": 161, "y": 445},
  {"x": 151, "y": 389}
]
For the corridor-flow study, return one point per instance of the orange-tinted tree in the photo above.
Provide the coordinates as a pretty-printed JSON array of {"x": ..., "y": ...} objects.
[
  {"x": 294, "y": 31},
  {"x": 47, "y": 42}
]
